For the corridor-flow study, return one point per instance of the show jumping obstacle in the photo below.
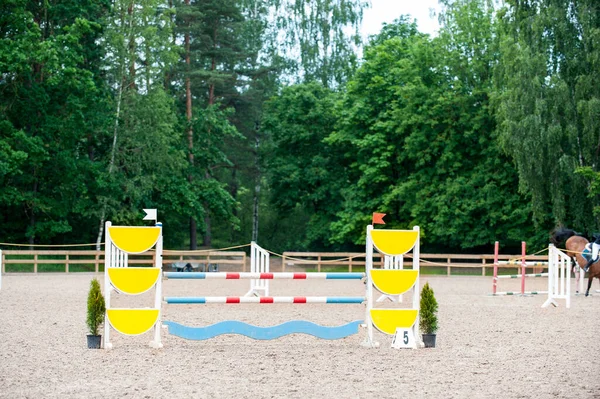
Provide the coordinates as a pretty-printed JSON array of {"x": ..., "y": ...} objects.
[
  {"x": 522, "y": 276},
  {"x": 559, "y": 275},
  {"x": 398, "y": 322}
]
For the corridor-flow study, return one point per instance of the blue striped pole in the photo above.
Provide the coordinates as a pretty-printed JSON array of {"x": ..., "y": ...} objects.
[
  {"x": 263, "y": 276},
  {"x": 265, "y": 300}
]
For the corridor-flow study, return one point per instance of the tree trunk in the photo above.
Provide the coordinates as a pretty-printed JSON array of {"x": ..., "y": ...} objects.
[
  {"x": 207, "y": 239},
  {"x": 132, "y": 50},
  {"x": 234, "y": 192},
  {"x": 113, "y": 150},
  {"x": 256, "y": 190},
  {"x": 32, "y": 216},
  {"x": 167, "y": 82},
  {"x": 193, "y": 234},
  {"x": 190, "y": 131}
]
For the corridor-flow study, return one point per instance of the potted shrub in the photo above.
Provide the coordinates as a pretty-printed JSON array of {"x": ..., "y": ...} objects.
[
  {"x": 428, "y": 322},
  {"x": 95, "y": 314}
]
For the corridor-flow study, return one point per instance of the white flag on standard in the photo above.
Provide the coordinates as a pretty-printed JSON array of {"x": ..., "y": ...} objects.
[{"x": 150, "y": 214}]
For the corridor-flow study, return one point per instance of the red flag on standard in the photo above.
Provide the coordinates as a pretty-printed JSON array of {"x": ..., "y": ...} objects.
[{"x": 378, "y": 218}]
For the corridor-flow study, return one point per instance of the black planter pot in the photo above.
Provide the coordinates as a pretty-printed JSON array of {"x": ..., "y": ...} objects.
[
  {"x": 429, "y": 340},
  {"x": 94, "y": 341}
]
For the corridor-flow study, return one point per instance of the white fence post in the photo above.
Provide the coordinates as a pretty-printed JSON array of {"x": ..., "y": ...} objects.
[
  {"x": 559, "y": 277},
  {"x": 392, "y": 263},
  {"x": 259, "y": 263}
]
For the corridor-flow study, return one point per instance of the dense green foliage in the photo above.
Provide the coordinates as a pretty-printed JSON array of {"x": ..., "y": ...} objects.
[
  {"x": 548, "y": 97},
  {"x": 306, "y": 175},
  {"x": 256, "y": 120},
  {"x": 420, "y": 136}
]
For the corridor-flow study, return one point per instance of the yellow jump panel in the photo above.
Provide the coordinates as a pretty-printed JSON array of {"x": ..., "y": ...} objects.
[
  {"x": 133, "y": 280},
  {"x": 388, "y": 320},
  {"x": 394, "y": 282},
  {"x": 134, "y": 240},
  {"x": 132, "y": 321},
  {"x": 394, "y": 242}
]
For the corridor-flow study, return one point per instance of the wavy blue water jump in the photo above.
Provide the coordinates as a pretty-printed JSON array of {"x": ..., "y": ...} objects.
[{"x": 263, "y": 333}]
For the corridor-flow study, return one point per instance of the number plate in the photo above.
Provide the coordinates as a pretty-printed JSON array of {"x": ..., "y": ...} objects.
[{"x": 404, "y": 339}]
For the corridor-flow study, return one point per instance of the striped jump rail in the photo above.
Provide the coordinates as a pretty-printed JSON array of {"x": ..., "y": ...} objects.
[
  {"x": 520, "y": 275},
  {"x": 265, "y": 300},
  {"x": 520, "y": 293},
  {"x": 519, "y": 263},
  {"x": 263, "y": 276}
]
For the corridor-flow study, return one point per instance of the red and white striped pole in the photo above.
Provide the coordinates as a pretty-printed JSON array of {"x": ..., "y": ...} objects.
[
  {"x": 523, "y": 264},
  {"x": 496, "y": 249}
]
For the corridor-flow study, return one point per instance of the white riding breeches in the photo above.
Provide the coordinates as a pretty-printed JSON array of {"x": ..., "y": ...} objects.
[{"x": 595, "y": 250}]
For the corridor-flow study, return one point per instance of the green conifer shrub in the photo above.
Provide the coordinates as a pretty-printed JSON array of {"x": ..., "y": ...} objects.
[
  {"x": 95, "y": 307},
  {"x": 428, "y": 322}
]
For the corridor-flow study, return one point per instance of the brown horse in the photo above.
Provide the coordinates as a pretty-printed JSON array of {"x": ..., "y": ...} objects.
[{"x": 575, "y": 244}]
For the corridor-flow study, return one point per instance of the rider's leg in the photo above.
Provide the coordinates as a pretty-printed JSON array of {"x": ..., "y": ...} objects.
[
  {"x": 587, "y": 265},
  {"x": 594, "y": 258}
]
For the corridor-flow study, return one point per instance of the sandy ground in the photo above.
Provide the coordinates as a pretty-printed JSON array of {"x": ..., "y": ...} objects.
[{"x": 487, "y": 347}]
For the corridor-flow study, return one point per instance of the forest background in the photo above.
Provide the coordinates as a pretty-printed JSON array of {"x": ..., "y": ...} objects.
[{"x": 274, "y": 121}]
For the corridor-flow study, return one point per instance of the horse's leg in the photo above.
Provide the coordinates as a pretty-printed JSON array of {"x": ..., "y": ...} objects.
[{"x": 590, "y": 279}]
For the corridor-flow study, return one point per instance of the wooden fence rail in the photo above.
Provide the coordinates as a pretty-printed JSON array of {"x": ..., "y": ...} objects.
[
  {"x": 449, "y": 261},
  {"x": 94, "y": 260}
]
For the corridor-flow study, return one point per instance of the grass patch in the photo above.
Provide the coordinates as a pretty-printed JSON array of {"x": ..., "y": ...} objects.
[
  {"x": 52, "y": 268},
  {"x": 52, "y": 263},
  {"x": 18, "y": 268}
]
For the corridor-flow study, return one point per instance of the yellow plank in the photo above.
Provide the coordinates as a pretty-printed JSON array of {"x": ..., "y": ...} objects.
[
  {"x": 394, "y": 282},
  {"x": 133, "y": 280},
  {"x": 388, "y": 320},
  {"x": 394, "y": 242},
  {"x": 133, "y": 239},
  {"x": 132, "y": 321}
]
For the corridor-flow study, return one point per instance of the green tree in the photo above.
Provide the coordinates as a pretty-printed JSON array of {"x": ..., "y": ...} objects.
[
  {"x": 305, "y": 174},
  {"x": 52, "y": 111},
  {"x": 258, "y": 79},
  {"x": 211, "y": 35},
  {"x": 320, "y": 37},
  {"x": 416, "y": 126},
  {"x": 547, "y": 100},
  {"x": 145, "y": 158}
]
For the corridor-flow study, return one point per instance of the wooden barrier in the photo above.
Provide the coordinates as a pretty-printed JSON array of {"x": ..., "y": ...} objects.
[
  {"x": 240, "y": 260},
  {"x": 234, "y": 258},
  {"x": 353, "y": 259},
  {"x": 95, "y": 259}
]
